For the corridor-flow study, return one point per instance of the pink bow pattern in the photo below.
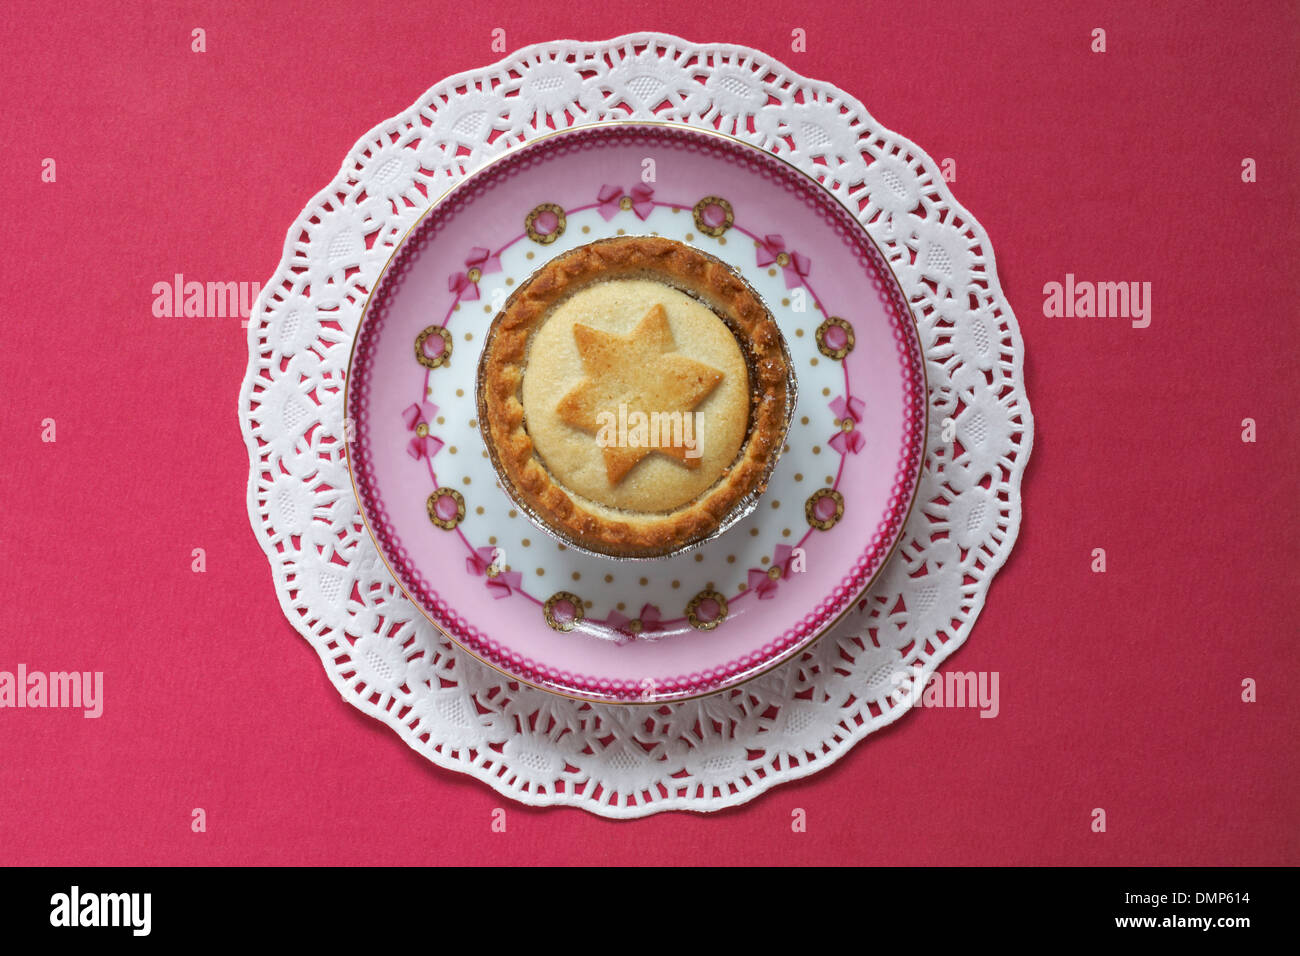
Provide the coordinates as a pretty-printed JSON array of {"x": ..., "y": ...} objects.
[
  {"x": 480, "y": 262},
  {"x": 648, "y": 623},
  {"x": 500, "y": 582},
  {"x": 423, "y": 444},
  {"x": 640, "y": 200},
  {"x": 848, "y": 413},
  {"x": 795, "y": 264},
  {"x": 763, "y": 580}
]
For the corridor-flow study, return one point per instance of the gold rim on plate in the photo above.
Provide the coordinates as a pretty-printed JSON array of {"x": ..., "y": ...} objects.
[{"x": 785, "y": 655}]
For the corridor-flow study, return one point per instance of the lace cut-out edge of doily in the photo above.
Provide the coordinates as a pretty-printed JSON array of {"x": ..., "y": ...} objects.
[{"x": 992, "y": 563}]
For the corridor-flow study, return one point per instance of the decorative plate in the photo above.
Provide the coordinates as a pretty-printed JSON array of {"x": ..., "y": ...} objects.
[{"x": 617, "y": 630}]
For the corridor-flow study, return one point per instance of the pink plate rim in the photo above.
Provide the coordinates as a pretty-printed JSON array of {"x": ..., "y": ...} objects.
[{"x": 813, "y": 625}]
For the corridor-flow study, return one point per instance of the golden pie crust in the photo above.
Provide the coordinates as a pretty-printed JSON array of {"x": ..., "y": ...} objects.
[
  {"x": 606, "y": 516},
  {"x": 635, "y": 345}
]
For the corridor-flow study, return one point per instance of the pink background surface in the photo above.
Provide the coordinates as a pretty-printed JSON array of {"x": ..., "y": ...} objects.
[{"x": 1119, "y": 691}]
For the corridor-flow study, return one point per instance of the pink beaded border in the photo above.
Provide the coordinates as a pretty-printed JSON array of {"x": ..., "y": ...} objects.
[{"x": 828, "y": 610}]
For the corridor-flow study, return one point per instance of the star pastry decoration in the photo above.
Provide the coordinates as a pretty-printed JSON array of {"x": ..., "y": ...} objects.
[{"x": 642, "y": 372}]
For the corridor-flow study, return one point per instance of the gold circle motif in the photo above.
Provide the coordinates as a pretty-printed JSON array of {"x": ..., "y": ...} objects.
[
  {"x": 810, "y": 509},
  {"x": 625, "y": 203},
  {"x": 843, "y": 350},
  {"x": 575, "y": 602},
  {"x": 783, "y": 259},
  {"x": 693, "y": 610},
  {"x": 474, "y": 274},
  {"x": 703, "y": 226},
  {"x": 432, "y": 507},
  {"x": 441, "y": 360},
  {"x": 530, "y": 223}
]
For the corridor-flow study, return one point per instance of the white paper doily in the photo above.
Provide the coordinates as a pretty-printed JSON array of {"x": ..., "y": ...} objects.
[{"x": 626, "y": 761}]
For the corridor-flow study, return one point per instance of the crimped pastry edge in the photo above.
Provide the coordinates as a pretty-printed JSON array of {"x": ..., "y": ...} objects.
[{"x": 572, "y": 518}]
